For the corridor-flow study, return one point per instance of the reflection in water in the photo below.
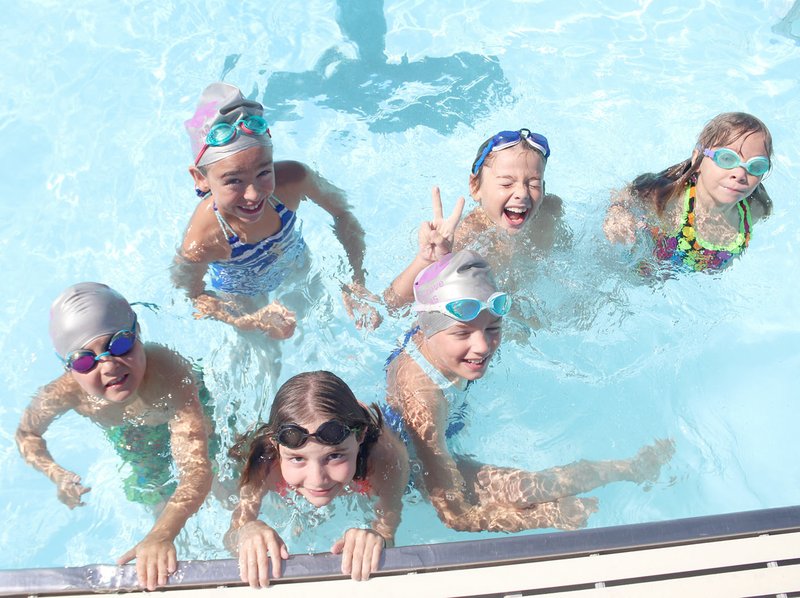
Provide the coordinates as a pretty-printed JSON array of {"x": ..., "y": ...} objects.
[{"x": 436, "y": 92}]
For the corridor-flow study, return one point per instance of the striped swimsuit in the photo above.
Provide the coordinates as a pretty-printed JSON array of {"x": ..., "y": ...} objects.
[{"x": 261, "y": 267}]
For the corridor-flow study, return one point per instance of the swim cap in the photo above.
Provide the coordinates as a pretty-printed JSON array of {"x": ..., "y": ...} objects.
[
  {"x": 455, "y": 276},
  {"x": 220, "y": 103},
  {"x": 84, "y": 312}
]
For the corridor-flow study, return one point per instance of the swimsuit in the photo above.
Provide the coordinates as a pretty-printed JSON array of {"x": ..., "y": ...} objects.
[
  {"x": 147, "y": 450},
  {"x": 261, "y": 267},
  {"x": 684, "y": 246},
  {"x": 456, "y": 397}
]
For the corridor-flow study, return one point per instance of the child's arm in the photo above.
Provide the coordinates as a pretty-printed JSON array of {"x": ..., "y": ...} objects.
[
  {"x": 188, "y": 269},
  {"x": 425, "y": 413},
  {"x": 155, "y": 555},
  {"x": 53, "y": 400},
  {"x": 435, "y": 241},
  {"x": 388, "y": 476},
  {"x": 347, "y": 229},
  {"x": 254, "y": 541},
  {"x": 622, "y": 222}
]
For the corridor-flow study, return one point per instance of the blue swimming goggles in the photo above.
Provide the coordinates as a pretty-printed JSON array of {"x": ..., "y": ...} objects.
[
  {"x": 467, "y": 309},
  {"x": 729, "y": 159},
  {"x": 83, "y": 361},
  {"x": 506, "y": 139},
  {"x": 222, "y": 133}
]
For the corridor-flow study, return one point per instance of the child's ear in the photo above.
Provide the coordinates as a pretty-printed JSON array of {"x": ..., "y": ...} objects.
[
  {"x": 200, "y": 180},
  {"x": 361, "y": 435},
  {"x": 474, "y": 187}
]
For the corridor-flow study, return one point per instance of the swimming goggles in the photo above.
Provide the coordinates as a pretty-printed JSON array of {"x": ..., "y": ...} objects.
[
  {"x": 83, "y": 361},
  {"x": 729, "y": 159},
  {"x": 467, "y": 309},
  {"x": 332, "y": 432},
  {"x": 506, "y": 139},
  {"x": 222, "y": 133}
]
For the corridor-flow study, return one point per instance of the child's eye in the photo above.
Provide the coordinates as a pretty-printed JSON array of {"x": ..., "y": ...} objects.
[
  {"x": 295, "y": 460},
  {"x": 231, "y": 182},
  {"x": 336, "y": 456},
  {"x": 535, "y": 184},
  {"x": 264, "y": 173}
]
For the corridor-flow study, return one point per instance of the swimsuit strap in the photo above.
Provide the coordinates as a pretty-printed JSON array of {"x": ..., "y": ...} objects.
[{"x": 229, "y": 233}]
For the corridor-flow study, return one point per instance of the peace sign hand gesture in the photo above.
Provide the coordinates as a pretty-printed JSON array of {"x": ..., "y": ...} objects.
[{"x": 436, "y": 236}]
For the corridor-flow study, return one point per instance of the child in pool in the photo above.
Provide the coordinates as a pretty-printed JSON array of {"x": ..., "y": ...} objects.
[
  {"x": 132, "y": 390},
  {"x": 460, "y": 313},
  {"x": 245, "y": 229},
  {"x": 700, "y": 212},
  {"x": 350, "y": 450},
  {"x": 514, "y": 212}
]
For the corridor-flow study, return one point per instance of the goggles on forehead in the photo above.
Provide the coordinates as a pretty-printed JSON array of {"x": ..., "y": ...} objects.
[
  {"x": 331, "y": 433},
  {"x": 84, "y": 361},
  {"x": 506, "y": 139},
  {"x": 728, "y": 159},
  {"x": 467, "y": 309},
  {"x": 223, "y": 133}
]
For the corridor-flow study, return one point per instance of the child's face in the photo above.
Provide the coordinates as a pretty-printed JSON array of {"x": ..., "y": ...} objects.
[
  {"x": 465, "y": 349},
  {"x": 240, "y": 184},
  {"x": 511, "y": 186},
  {"x": 319, "y": 472},
  {"x": 729, "y": 187},
  {"x": 115, "y": 378}
]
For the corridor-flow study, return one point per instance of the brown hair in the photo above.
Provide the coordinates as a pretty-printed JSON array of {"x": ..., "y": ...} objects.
[
  {"x": 302, "y": 398},
  {"x": 720, "y": 131}
]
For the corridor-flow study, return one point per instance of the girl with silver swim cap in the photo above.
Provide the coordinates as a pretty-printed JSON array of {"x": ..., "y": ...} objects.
[
  {"x": 119, "y": 382},
  {"x": 245, "y": 232},
  {"x": 460, "y": 312}
]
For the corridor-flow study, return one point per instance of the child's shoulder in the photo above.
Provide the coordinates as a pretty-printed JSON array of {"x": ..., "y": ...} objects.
[
  {"x": 166, "y": 367},
  {"x": 204, "y": 240}
]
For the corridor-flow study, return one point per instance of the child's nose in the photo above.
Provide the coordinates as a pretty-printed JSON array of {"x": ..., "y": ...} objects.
[{"x": 317, "y": 476}]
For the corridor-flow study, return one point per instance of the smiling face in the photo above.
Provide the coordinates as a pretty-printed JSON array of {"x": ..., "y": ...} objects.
[
  {"x": 465, "y": 349},
  {"x": 510, "y": 186},
  {"x": 725, "y": 188},
  {"x": 319, "y": 472},
  {"x": 115, "y": 379},
  {"x": 240, "y": 184}
]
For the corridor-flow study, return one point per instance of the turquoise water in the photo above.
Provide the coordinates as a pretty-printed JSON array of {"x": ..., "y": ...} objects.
[{"x": 95, "y": 187}]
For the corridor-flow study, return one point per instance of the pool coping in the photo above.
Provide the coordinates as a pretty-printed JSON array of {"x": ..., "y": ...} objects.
[{"x": 434, "y": 557}]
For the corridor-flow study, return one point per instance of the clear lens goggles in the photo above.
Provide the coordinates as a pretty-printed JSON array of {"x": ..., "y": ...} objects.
[
  {"x": 467, "y": 309},
  {"x": 728, "y": 159}
]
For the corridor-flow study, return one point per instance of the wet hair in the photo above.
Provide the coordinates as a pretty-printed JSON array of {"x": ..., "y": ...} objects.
[
  {"x": 303, "y": 398},
  {"x": 720, "y": 131}
]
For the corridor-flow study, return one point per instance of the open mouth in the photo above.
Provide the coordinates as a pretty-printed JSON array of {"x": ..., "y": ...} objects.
[
  {"x": 516, "y": 216},
  {"x": 117, "y": 382},
  {"x": 250, "y": 211}
]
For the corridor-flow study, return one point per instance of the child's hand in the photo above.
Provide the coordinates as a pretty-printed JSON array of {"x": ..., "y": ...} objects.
[
  {"x": 436, "y": 236},
  {"x": 646, "y": 465},
  {"x": 361, "y": 552},
  {"x": 258, "y": 542},
  {"x": 568, "y": 513},
  {"x": 156, "y": 560},
  {"x": 355, "y": 297},
  {"x": 620, "y": 225},
  {"x": 274, "y": 320},
  {"x": 70, "y": 489}
]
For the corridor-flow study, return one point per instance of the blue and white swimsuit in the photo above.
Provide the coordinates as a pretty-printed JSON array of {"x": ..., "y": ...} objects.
[
  {"x": 456, "y": 397},
  {"x": 260, "y": 268}
]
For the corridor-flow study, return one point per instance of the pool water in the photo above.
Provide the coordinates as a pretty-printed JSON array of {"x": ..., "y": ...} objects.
[{"x": 386, "y": 99}]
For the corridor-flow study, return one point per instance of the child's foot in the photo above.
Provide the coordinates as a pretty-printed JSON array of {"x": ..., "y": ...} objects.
[{"x": 573, "y": 512}]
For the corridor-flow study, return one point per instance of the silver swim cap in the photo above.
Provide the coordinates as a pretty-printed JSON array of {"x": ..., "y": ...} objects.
[
  {"x": 222, "y": 103},
  {"x": 455, "y": 276},
  {"x": 84, "y": 312}
]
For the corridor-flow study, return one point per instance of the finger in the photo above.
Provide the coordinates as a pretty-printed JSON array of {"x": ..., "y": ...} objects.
[
  {"x": 357, "y": 564},
  {"x": 127, "y": 557},
  {"x": 172, "y": 561},
  {"x": 347, "y": 556},
  {"x": 276, "y": 551},
  {"x": 243, "y": 568},
  {"x": 436, "y": 201},
  {"x": 338, "y": 546},
  {"x": 151, "y": 573},
  {"x": 259, "y": 571},
  {"x": 162, "y": 569},
  {"x": 455, "y": 215}
]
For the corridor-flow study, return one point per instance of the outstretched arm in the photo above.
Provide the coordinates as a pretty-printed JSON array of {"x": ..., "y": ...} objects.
[
  {"x": 51, "y": 401},
  {"x": 622, "y": 222},
  {"x": 435, "y": 241},
  {"x": 357, "y": 299},
  {"x": 155, "y": 555},
  {"x": 458, "y": 507},
  {"x": 252, "y": 540}
]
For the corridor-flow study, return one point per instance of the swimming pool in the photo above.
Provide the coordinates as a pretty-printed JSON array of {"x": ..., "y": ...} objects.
[{"x": 94, "y": 174}]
